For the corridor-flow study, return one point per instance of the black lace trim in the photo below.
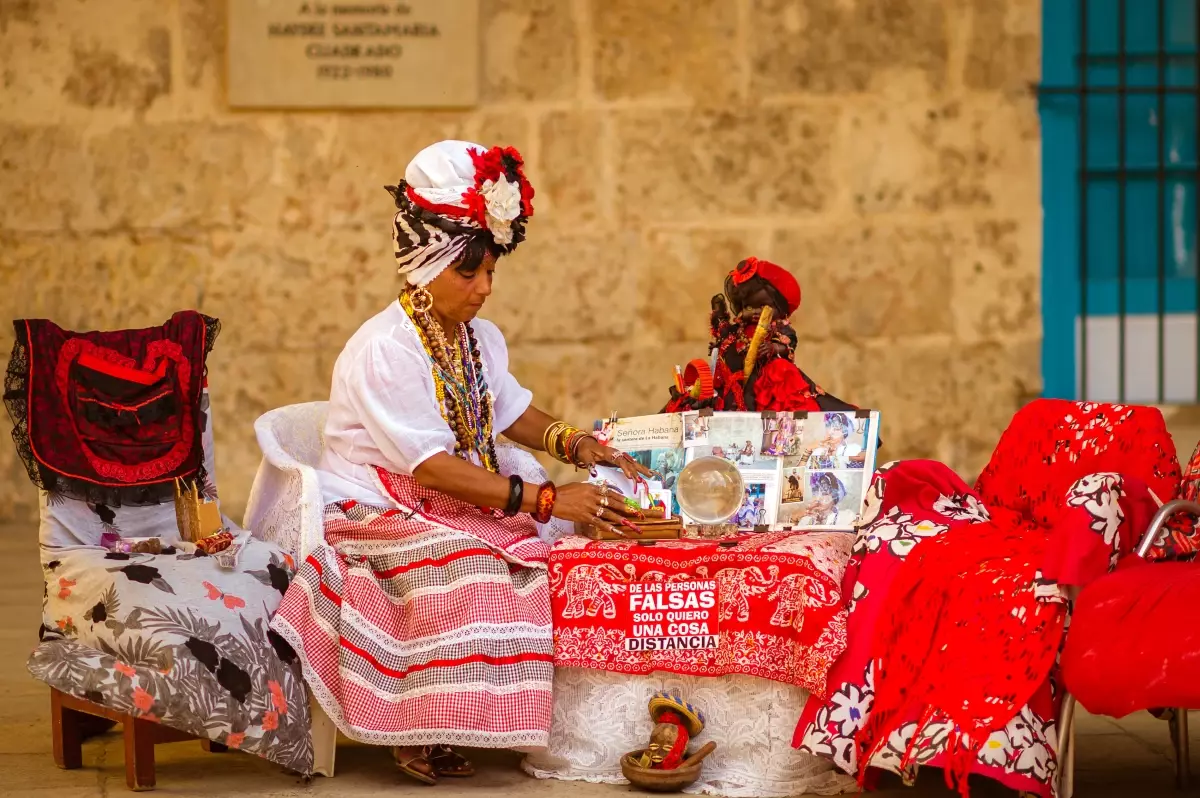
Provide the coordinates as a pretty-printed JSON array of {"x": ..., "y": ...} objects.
[
  {"x": 16, "y": 401},
  {"x": 212, "y": 328}
]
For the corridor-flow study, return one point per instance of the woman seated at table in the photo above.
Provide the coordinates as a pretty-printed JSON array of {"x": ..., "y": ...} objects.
[{"x": 424, "y": 622}]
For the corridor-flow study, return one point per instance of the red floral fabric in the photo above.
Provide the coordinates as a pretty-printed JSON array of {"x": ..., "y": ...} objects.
[
  {"x": 780, "y": 604},
  {"x": 1181, "y": 539},
  {"x": 110, "y": 417},
  {"x": 1052, "y": 443},
  {"x": 962, "y": 677},
  {"x": 982, "y": 642},
  {"x": 977, "y": 649}
]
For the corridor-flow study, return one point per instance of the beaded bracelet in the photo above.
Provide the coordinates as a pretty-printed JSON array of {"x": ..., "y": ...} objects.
[
  {"x": 546, "y": 496},
  {"x": 573, "y": 442},
  {"x": 516, "y": 495}
]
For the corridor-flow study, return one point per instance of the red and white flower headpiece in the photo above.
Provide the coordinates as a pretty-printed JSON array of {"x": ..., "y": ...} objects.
[{"x": 456, "y": 194}]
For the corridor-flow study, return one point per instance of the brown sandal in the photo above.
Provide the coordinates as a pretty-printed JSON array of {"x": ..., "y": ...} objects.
[
  {"x": 406, "y": 765},
  {"x": 445, "y": 761}
]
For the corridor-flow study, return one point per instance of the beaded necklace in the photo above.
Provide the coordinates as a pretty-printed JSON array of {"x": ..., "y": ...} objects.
[{"x": 459, "y": 383}]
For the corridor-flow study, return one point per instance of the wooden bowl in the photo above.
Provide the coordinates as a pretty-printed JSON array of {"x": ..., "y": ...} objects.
[{"x": 657, "y": 780}]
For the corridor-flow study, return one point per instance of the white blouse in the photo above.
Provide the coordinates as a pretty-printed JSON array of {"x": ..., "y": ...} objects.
[{"x": 383, "y": 410}]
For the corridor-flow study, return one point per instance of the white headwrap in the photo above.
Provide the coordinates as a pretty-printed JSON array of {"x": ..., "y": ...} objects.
[{"x": 447, "y": 199}]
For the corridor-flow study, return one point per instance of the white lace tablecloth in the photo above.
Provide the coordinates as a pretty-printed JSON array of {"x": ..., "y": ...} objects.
[{"x": 599, "y": 716}]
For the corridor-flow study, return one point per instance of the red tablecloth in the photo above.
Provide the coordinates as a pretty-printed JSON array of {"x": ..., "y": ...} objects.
[{"x": 779, "y": 612}]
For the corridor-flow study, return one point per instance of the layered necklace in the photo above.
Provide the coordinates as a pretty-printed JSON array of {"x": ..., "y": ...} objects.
[{"x": 458, "y": 380}]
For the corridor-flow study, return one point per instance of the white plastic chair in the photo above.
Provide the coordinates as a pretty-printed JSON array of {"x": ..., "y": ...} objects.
[
  {"x": 285, "y": 507},
  {"x": 285, "y": 504}
]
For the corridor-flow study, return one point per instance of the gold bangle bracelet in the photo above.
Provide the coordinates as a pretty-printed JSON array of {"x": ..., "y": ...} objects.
[
  {"x": 564, "y": 439},
  {"x": 560, "y": 450},
  {"x": 548, "y": 437},
  {"x": 551, "y": 439},
  {"x": 555, "y": 441}
]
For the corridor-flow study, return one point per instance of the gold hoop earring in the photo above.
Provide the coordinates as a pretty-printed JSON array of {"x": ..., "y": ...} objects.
[{"x": 421, "y": 299}]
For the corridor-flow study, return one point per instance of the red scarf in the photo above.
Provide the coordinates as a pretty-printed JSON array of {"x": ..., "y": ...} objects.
[
  {"x": 968, "y": 637},
  {"x": 681, "y": 742}
]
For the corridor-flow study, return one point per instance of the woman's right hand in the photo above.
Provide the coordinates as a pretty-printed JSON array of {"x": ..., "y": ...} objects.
[{"x": 600, "y": 506}]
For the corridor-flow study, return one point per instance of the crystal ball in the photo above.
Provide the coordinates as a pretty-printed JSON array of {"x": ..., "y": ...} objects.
[{"x": 710, "y": 490}]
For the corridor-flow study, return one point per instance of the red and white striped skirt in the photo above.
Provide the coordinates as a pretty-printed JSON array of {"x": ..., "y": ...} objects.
[{"x": 428, "y": 624}]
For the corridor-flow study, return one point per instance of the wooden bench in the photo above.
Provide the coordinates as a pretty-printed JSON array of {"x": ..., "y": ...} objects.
[{"x": 75, "y": 719}]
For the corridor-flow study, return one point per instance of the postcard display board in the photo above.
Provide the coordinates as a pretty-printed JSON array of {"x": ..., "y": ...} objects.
[{"x": 801, "y": 470}]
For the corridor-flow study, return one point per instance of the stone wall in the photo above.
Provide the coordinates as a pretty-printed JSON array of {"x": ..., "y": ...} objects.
[{"x": 885, "y": 150}]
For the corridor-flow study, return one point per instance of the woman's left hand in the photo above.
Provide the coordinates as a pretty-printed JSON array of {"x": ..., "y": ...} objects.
[{"x": 591, "y": 453}]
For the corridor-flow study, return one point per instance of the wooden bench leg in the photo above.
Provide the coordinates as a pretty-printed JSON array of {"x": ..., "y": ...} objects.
[
  {"x": 139, "y": 754},
  {"x": 74, "y": 719},
  {"x": 213, "y": 748},
  {"x": 66, "y": 732}
]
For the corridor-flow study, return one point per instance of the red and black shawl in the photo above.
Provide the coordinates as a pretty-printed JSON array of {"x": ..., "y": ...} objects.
[{"x": 110, "y": 417}]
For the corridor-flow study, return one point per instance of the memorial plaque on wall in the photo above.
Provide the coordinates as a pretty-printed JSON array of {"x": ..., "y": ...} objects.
[{"x": 353, "y": 54}]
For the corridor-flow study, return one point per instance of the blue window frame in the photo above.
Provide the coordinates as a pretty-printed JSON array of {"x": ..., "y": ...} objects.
[{"x": 1119, "y": 166}]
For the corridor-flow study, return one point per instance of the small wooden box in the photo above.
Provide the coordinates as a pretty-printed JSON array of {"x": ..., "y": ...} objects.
[{"x": 652, "y": 529}]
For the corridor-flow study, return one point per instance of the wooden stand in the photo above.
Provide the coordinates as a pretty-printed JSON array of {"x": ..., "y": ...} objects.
[
  {"x": 74, "y": 719},
  {"x": 652, "y": 529}
]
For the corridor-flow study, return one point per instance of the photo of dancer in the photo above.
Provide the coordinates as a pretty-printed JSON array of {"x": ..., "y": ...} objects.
[
  {"x": 753, "y": 511},
  {"x": 834, "y": 440},
  {"x": 834, "y": 499},
  {"x": 779, "y": 436},
  {"x": 666, "y": 464},
  {"x": 793, "y": 485}
]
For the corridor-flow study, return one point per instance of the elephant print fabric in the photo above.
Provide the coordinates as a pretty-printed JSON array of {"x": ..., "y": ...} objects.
[{"x": 779, "y": 612}]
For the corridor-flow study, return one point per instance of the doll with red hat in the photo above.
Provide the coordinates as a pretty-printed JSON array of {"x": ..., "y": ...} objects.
[{"x": 755, "y": 346}]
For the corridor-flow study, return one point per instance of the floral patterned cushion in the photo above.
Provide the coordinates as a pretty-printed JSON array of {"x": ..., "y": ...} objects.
[{"x": 176, "y": 639}]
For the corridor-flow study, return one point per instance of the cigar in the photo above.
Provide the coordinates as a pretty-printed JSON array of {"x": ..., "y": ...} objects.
[{"x": 697, "y": 757}]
